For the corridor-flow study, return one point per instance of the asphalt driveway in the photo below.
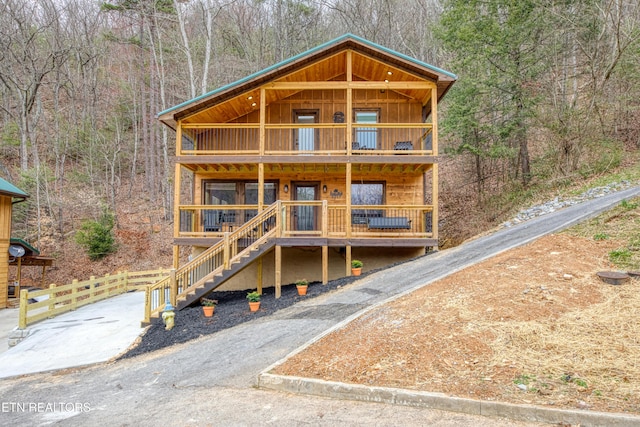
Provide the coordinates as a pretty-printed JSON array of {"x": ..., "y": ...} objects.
[{"x": 211, "y": 381}]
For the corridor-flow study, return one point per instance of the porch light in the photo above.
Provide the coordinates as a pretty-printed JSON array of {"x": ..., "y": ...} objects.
[
  {"x": 286, "y": 188},
  {"x": 324, "y": 188}
]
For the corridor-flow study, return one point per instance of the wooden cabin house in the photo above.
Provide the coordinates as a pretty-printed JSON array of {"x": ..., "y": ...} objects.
[
  {"x": 295, "y": 170},
  {"x": 9, "y": 194}
]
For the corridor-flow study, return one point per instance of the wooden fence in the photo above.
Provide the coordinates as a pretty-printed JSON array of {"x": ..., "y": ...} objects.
[{"x": 61, "y": 299}]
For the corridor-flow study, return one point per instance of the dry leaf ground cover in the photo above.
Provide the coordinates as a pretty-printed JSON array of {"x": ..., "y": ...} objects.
[{"x": 533, "y": 325}]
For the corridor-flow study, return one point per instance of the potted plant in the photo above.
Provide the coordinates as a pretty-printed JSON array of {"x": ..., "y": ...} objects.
[
  {"x": 254, "y": 300},
  {"x": 356, "y": 267},
  {"x": 301, "y": 286},
  {"x": 208, "y": 306}
]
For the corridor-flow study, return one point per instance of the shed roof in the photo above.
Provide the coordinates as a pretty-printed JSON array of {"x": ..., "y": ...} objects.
[
  {"x": 290, "y": 69},
  {"x": 8, "y": 189}
]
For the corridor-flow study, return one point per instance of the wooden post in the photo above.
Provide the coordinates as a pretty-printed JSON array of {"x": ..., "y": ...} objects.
[
  {"x": 263, "y": 120},
  {"x": 107, "y": 284},
  {"x": 176, "y": 212},
  {"x": 227, "y": 250},
  {"x": 434, "y": 170},
  {"x": 434, "y": 120},
  {"x": 278, "y": 270},
  {"x": 173, "y": 283},
  {"x": 434, "y": 201},
  {"x": 74, "y": 292},
  {"x": 260, "y": 186},
  {"x": 347, "y": 218},
  {"x": 325, "y": 264},
  {"x": 52, "y": 297},
  {"x": 348, "y": 259},
  {"x": 24, "y": 302},
  {"x": 260, "y": 275},
  {"x": 147, "y": 307}
]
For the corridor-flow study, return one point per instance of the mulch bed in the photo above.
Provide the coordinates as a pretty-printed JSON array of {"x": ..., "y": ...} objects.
[{"x": 232, "y": 310}]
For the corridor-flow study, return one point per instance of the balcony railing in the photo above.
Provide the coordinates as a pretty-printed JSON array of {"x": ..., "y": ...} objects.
[
  {"x": 308, "y": 139},
  {"x": 313, "y": 219}
]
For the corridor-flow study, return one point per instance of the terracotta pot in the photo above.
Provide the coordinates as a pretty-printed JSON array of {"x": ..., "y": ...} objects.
[
  {"x": 254, "y": 306},
  {"x": 208, "y": 310},
  {"x": 302, "y": 289},
  {"x": 356, "y": 271}
]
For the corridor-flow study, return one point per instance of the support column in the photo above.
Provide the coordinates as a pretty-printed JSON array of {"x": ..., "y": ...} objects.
[
  {"x": 325, "y": 265},
  {"x": 263, "y": 120},
  {"x": 260, "y": 186},
  {"x": 278, "y": 270},
  {"x": 434, "y": 171},
  {"x": 347, "y": 193},
  {"x": 177, "y": 183},
  {"x": 260, "y": 275},
  {"x": 348, "y": 259},
  {"x": 434, "y": 200}
]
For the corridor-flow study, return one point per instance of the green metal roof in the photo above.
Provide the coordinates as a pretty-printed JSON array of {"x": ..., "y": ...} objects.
[
  {"x": 30, "y": 250},
  {"x": 9, "y": 189},
  {"x": 302, "y": 55}
]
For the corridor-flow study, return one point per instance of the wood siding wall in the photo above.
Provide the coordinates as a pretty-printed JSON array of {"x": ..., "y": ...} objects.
[{"x": 5, "y": 235}]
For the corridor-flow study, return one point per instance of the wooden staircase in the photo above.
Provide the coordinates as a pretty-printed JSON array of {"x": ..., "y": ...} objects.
[
  {"x": 221, "y": 275},
  {"x": 237, "y": 250}
]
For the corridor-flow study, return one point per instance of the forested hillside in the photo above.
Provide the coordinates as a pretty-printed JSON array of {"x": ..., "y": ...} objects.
[{"x": 547, "y": 97}]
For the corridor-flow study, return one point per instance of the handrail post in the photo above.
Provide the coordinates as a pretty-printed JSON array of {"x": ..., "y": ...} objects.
[
  {"x": 325, "y": 219},
  {"x": 282, "y": 217},
  {"x": 147, "y": 305},
  {"x": 227, "y": 250},
  {"x": 24, "y": 302},
  {"x": 173, "y": 283}
]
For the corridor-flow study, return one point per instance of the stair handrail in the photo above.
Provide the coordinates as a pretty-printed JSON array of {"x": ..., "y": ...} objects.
[{"x": 218, "y": 256}]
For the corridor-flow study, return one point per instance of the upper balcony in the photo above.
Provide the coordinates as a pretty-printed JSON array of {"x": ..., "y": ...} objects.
[{"x": 305, "y": 142}]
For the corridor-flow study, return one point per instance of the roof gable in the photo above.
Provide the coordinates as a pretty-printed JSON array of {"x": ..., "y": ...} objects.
[{"x": 323, "y": 63}]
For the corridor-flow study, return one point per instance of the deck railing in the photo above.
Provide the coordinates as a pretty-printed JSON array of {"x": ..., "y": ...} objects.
[
  {"x": 305, "y": 218},
  {"x": 307, "y": 139},
  {"x": 61, "y": 299},
  {"x": 207, "y": 220}
]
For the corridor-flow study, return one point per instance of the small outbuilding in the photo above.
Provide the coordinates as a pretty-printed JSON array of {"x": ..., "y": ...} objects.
[{"x": 9, "y": 194}]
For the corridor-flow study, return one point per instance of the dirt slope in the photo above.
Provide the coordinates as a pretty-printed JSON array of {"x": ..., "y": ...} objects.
[{"x": 532, "y": 325}]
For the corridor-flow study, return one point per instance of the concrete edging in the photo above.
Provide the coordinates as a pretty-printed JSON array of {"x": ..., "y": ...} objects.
[{"x": 440, "y": 401}]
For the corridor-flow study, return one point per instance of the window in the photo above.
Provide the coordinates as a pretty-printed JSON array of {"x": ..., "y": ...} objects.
[
  {"x": 251, "y": 193},
  {"x": 369, "y": 193},
  {"x": 219, "y": 193},
  {"x": 237, "y": 193},
  {"x": 366, "y": 137}
]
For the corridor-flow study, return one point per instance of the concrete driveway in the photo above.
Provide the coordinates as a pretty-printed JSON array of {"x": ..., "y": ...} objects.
[{"x": 211, "y": 381}]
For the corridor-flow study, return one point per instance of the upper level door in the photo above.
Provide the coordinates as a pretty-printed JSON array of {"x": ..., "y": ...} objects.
[
  {"x": 366, "y": 138},
  {"x": 304, "y": 139}
]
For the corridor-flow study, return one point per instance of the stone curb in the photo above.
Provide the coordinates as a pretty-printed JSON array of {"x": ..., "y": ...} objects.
[
  {"x": 440, "y": 401},
  {"x": 17, "y": 335}
]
